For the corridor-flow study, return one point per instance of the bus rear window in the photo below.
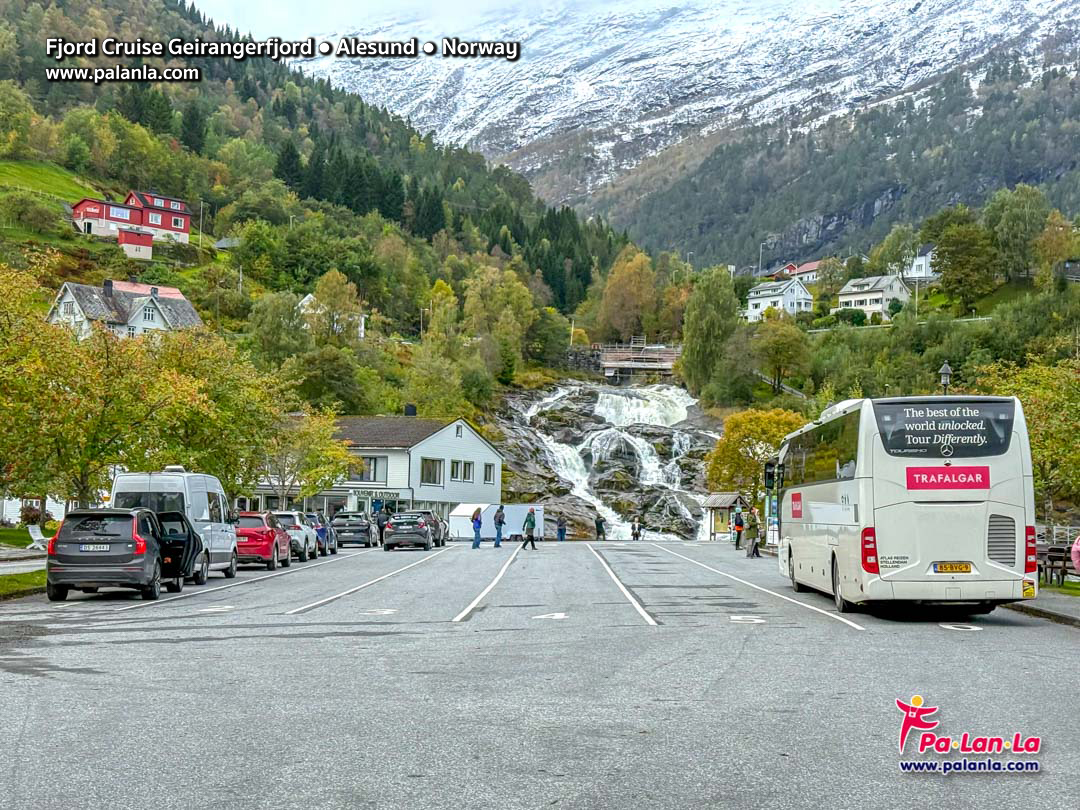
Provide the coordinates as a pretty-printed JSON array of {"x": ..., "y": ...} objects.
[{"x": 945, "y": 428}]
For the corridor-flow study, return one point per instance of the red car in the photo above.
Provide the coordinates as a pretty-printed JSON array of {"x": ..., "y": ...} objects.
[{"x": 260, "y": 539}]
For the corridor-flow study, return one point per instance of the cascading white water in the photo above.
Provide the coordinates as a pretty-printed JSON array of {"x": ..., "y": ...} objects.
[{"x": 652, "y": 405}]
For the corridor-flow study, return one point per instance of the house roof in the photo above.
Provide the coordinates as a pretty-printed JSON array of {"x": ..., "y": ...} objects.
[
  {"x": 868, "y": 284},
  {"x": 807, "y": 267},
  {"x": 927, "y": 249},
  {"x": 768, "y": 288},
  {"x": 99, "y": 201},
  {"x": 387, "y": 431},
  {"x": 146, "y": 198},
  {"x": 720, "y": 500},
  {"x": 117, "y": 308}
]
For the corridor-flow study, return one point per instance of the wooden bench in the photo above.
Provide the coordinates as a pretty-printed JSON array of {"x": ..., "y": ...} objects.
[{"x": 1055, "y": 562}]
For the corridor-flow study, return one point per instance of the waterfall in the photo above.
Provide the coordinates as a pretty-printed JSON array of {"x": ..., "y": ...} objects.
[{"x": 651, "y": 405}]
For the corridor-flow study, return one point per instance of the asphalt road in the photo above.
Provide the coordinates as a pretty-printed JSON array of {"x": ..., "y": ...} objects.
[{"x": 606, "y": 675}]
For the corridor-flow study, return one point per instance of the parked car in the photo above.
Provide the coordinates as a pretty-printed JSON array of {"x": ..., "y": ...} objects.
[
  {"x": 200, "y": 497},
  {"x": 354, "y": 527},
  {"x": 304, "y": 543},
  {"x": 183, "y": 551},
  {"x": 440, "y": 531},
  {"x": 261, "y": 539},
  {"x": 95, "y": 548},
  {"x": 408, "y": 529},
  {"x": 325, "y": 537}
]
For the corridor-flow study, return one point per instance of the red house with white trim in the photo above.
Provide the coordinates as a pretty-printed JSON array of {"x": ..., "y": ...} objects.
[
  {"x": 164, "y": 217},
  {"x": 136, "y": 243}
]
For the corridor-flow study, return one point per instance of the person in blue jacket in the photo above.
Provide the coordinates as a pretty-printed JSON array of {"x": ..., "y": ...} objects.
[{"x": 476, "y": 524}]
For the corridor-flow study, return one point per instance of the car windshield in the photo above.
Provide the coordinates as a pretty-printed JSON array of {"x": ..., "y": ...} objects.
[
  {"x": 312, "y": 518},
  {"x": 157, "y": 501},
  {"x": 249, "y": 522},
  {"x": 349, "y": 517},
  {"x": 97, "y": 526},
  {"x": 289, "y": 518}
]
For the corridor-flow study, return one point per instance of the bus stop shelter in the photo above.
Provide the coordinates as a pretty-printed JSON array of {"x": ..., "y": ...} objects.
[{"x": 721, "y": 507}]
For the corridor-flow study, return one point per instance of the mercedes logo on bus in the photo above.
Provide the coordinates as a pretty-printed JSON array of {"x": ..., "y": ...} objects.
[{"x": 946, "y": 450}]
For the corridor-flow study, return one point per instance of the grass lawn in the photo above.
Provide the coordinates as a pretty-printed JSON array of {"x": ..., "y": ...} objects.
[
  {"x": 1009, "y": 291},
  {"x": 17, "y": 537},
  {"x": 1070, "y": 588},
  {"x": 12, "y": 585},
  {"x": 45, "y": 177}
]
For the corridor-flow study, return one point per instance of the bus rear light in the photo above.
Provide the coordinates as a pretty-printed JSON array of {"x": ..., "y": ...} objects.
[
  {"x": 868, "y": 548},
  {"x": 1031, "y": 553}
]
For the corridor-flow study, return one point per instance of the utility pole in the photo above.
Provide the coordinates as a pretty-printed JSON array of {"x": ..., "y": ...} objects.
[
  {"x": 761, "y": 249},
  {"x": 200, "y": 223}
]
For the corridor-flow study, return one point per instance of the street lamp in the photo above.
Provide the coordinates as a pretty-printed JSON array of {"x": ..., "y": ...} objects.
[
  {"x": 761, "y": 249},
  {"x": 946, "y": 374}
]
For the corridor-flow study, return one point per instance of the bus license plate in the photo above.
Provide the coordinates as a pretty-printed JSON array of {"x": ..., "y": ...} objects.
[
  {"x": 94, "y": 547},
  {"x": 952, "y": 568}
]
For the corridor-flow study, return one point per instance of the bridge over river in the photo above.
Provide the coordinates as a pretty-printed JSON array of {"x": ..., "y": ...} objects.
[{"x": 628, "y": 362}]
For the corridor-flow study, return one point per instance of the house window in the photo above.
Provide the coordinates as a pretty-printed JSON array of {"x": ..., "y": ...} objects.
[
  {"x": 374, "y": 469},
  {"x": 489, "y": 473},
  {"x": 148, "y": 314},
  {"x": 431, "y": 472},
  {"x": 69, "y": 307},
  {"x": 131, "y": 331},
  {"x": 178, "y": 222},
  {"x": 756, "y": 305},
  {"x": 467, "y": 471},
  {"x": 455, "y": 470},
  {"x": 119, "y": 213},
  {"x": 457, "y": 431},
  {"x": 155, "y": 219},
  {"x": 175, "y": 206},
  {"x": 158, "y": 201}
]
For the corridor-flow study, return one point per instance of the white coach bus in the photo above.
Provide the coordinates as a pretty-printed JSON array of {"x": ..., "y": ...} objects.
[{"x": 923, "y": 499}]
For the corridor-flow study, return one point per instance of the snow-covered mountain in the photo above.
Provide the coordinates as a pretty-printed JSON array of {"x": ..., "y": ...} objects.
[{"x": 602, "y": 86}]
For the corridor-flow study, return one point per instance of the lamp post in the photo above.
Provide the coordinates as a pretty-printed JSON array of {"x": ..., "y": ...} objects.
[
  {"x": 761, "y": 249},
  {"x": 946, "y": 374}
]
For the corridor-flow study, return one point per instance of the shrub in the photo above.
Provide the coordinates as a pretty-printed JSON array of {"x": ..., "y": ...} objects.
[
  {"x": 875, "y": 319},
  {"x": 856, "y": 317},
  {"x": 30, "y": 515},
  {"x": 827, "y": 322},
  {"x": 30, "y": 212}
]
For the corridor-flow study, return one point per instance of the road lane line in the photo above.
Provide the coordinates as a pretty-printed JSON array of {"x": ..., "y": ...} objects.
[
  {"x": 321, "y": 602},
  {"x": 831, "y": 615},
  {"x": 472, "y": 605},
  {"x": 289, "y": 570},
  {"x": 637, "y": 605}
]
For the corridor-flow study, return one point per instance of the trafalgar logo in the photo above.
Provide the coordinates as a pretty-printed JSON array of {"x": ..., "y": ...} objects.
[{"x": 918, "y": 716}]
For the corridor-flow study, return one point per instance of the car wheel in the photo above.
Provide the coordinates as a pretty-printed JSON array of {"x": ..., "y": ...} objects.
[
  {"x": 324, "y": 549},
  {"x": 56, "y": 593},
  {"x": 842, "y": 604},
  {"x": 175, "y": 585},
  {"x": 303, "y": 554},
  {"x": 333, "y": 548},
  {"x": 230, "y": 572},
  {"x": 272, "y": 565},
  {"x": 796, "y": 586},
  {"x": 153, "y": 591},
  {"x": 204, "y": 570},
  {"x": 387, "y": 547},
  {"x": 427, "y": 545},
  {"x": 286, "y": 561}
]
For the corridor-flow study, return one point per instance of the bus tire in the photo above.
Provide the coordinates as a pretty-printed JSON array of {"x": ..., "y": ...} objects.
[
  {"x": 796, "y": 586},
  {"x": 842, "y": 604}
]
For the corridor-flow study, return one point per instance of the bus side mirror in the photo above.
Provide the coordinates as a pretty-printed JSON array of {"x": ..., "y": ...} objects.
[{"x": 770, "y": 476}]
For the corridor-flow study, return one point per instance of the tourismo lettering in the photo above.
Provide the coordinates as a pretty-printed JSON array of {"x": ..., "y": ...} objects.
[{"x": 948, "y": 478}]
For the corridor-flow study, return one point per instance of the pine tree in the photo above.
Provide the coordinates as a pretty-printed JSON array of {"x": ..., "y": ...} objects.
[
  {"x": 157, "y": 112},
  {"x": 193, "y": 127},
  {"x": 391, "y": 196},
  {"x": 313, "y": 177},
  {"x": 288, "y": 167}
]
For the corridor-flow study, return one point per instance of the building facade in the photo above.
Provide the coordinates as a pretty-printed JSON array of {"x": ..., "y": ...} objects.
[
  {"x": 165, "y": 218},
  {"x": 873, "y": 294},
  {"x": 126, "y": 308},
  {"x": 922, "y": 266},
  {"x": 789, "y": 296},
  {"x": 403, "y": 462}
]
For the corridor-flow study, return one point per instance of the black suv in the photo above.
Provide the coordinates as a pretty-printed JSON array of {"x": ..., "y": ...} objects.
[
  {"x": 439, "y": 530},
  {"x": 96, "y": 548},
  {"x": 354, "y": 527}
]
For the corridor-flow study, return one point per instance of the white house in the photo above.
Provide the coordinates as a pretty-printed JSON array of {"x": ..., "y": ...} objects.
[
  {"x": 407, "y": 463},
  {"x": 309, "y": 304},
  {"x": 922, "y": 266},
  {"x": 789, "y": 296},
  {"x": 873, "y": 294},
  {"x": 126, "y": 308}
]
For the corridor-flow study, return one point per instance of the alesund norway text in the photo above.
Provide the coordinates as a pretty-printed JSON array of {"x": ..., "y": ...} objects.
[{"x": 449, "y": 47}]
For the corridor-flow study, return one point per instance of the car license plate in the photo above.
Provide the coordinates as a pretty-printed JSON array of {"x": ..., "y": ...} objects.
[
  {"x": 94, "y": 547},
  {"x": 952, "y": 568}
]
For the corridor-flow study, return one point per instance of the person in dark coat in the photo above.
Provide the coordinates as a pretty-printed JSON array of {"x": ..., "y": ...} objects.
[
  {"x": 381, "y": 520},
  {"x": 600, "y": 533},
  {"x": 528, "y": 528},
  {"x": 738, "y": 524}
]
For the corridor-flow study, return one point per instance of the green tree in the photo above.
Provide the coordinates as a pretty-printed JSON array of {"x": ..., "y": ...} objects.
[
  {"x": 157, "y": 112},
  {"x": 966, "y": 259},
  {"x": 276, "y": 330},
  {"x": 16, "y": 113},
  {"x": 711, "y": 315},
  {"x": 326, "y": 377},
  {"x": 896, "y": 251},
  {"x": 1056, "y": 244},
  {"x": 334, "y": 313},
  {"x": 831, "y": 277},
  {"x": 781, "y": 349},
  {"x": 193, "y": 127},
  {"x": 288, "y": 167},
  {"x": 629, "y": 295},
  {"x": 304, "y": 457},
  {"x": 934, "y": 225},
  {"x": 750, "y": 439},
  {"x": 498, "y": 303},
  {"x": 1014, "y": 219},
  {"x": 549, "y": 338},
  {"x": 433, "y": 384}
]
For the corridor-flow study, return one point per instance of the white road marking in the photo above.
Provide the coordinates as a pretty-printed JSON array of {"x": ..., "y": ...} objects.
[
  {"x": 966, "y": 628},
  {"x": 378, "y": 612},
  {"x": 217, "y": 609},
  {"x": 629, "y": 596},
  {"x": 746, "y": 619},
  {"x": 290, "y": 570},
  {"x": 551, "y": 616},
  {"x": 487, "y": 590},
  {"x": 327, "y": 600},
  {"x": 835, "y": 616}
]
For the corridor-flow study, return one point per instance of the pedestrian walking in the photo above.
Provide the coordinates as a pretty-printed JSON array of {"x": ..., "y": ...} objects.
[
  {"x": 738, "y": 524},
  {"x": 600, "y": 533},
  {"x": 476, "y": 524},
  {"x": 635, "y": 530},
  {"x": 752, "y": 538},
  {"x": 500, "y": 521},
  {"x": 1076, "y": 554},
  {"x": 528, "y": 529},
  {"x": 560, "y": 528},
  {"x": 380, "y": 522}
]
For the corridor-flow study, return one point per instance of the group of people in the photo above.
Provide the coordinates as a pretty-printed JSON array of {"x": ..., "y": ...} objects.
[
  {"x": 528, "y": 528},
  {"x": 636, "y": 529},
  {"x": 740, "y": 524}
]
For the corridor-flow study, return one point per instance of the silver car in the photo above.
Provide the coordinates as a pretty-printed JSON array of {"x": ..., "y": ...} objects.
[{"x": 303, "y": 540}]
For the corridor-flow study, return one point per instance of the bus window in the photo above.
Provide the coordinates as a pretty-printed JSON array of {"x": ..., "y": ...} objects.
[
  {"x": 945, "y": 429},
  {"x": 829, "y": 452}
]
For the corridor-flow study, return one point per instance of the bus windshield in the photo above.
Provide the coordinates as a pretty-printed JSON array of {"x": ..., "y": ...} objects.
[
  {"x": 945, "y": 428},
  {"x": 158, "y": 501}
]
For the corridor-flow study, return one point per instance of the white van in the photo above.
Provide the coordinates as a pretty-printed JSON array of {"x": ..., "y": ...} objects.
[{"x": 201, "y": 497}]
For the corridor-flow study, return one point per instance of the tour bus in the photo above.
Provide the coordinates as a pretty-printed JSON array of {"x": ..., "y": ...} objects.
[{"x": 920, "y": 499}]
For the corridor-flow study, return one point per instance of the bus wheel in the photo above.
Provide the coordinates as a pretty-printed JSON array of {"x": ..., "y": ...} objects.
[
  {"x": 842, "y": 604},
  {"x": 796, "y": 586}
]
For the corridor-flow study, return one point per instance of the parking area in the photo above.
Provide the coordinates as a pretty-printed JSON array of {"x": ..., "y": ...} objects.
[{"x": 578, "y": 675}]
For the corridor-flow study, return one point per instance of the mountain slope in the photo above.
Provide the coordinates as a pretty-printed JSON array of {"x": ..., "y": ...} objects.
[{"x": 602, "y": 87}]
